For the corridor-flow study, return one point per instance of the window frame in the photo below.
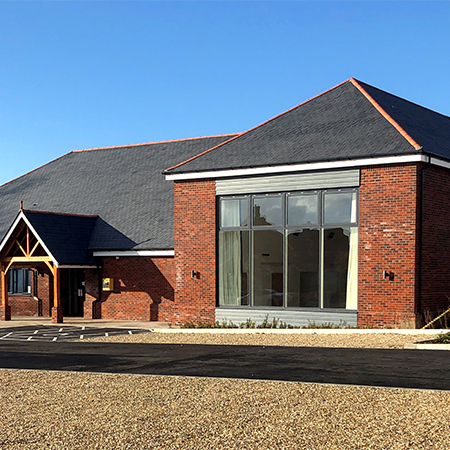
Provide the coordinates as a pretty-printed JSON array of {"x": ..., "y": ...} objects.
[
  {"x": 285, "y": 229},
  {"x": 13, "y": 282}
]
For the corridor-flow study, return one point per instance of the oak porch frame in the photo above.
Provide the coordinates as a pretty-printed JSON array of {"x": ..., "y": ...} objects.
[{"x": 28, "y": 258}]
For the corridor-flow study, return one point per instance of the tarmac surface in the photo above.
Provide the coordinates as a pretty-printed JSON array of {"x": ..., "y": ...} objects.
[
  {"x": 419, "y": 369},
  {"x": 62, "y": 332}
]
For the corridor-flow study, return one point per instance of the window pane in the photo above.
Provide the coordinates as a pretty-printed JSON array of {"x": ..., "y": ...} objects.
[
  {"x": 267, "y": 211},
  {"x": 233, "y": 268},
  {"x": 336, "y": 266},
  {"x": 19, "y": 281},
  {"x": 26, "y": 281},
  {"x": 234, "y": 212},
  {"x": 303, "y": 268},
  {"x": 10, "y": 281},
  {"x": 268, "y": 267},
  {"x": 18, "y": 288},
  {"x": 340, "y": 207},
  {"x": 302, "y": 209}
]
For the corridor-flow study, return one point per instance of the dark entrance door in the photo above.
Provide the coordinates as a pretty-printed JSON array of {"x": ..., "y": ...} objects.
[{"x": 72, "y": 292}]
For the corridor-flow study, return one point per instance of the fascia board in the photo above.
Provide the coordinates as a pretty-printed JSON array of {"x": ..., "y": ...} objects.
[
  {"x": 439, "y": 162},
  {"x": 134, "y": 253},
  {"x": 11, "y": 230},
  {"x": 270, "y": 170},
  {"x": 78, "y": 266}
]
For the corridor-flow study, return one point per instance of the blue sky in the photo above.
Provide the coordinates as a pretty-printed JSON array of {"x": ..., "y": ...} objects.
[{"x": 94, "y": 74}]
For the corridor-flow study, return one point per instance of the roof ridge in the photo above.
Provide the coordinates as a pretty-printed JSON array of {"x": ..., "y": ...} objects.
[
  {"x": 153, "y": 143},
  {"x": 386, "y": 115},
  {"x": 105, "y": 148},
  {"x": 257, "y": 126},
  {"x": 59, "y": 213}
]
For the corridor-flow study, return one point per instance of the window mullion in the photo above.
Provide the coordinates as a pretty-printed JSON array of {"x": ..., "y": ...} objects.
[
  {"x": 321, "y": 251},
  {"x": 321, "y": 266}
]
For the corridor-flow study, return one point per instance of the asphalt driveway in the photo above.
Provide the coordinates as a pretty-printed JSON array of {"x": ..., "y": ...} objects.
[{"x": 370, "y": 367}]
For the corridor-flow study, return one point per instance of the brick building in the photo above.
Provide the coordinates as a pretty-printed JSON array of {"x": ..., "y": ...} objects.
[{"x": 332, "y": 211}]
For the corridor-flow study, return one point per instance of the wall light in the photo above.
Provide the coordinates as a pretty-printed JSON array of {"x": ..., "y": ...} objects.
[{"x": 195, "y": 274}]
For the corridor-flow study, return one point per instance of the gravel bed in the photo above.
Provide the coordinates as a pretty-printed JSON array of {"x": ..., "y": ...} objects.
[
  {"x": 65, "y": 411},
  {"x": 357, "y": 340}
]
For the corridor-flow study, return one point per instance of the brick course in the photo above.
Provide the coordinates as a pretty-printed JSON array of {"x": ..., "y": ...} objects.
[
  {"x": 435, "y": 241},
  {"x": 143, "y": 289},
  {"x": 195, "y": 250},
  {"x": 388, "y": 240}
]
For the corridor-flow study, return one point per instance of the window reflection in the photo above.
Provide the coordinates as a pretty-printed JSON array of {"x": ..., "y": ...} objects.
[
  {"x": 267, "y": 211},
  {"x": 302, "y": 209},
  {"x": 339, "y": 207}
]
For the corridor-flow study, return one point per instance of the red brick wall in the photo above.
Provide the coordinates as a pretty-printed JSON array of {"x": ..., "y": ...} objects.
[
  {"x": 143, "y": 289},
  {"x": 43, "y": 293},
  {"x": 436, "y": 241},
  {"x": 388, "y": 240},
  {"x": 195, "y": 249},
  {"x": 92, "y": 309},
  {"x": 22, "y": 305}
]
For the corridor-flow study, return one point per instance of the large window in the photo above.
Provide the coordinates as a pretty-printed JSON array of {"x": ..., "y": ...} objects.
[
  {"x": 295, "y": 250},
  {"x": 19, "y": 281}
]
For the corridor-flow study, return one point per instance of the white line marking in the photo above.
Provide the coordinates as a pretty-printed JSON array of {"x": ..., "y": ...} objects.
[{"x": 54, "y": 339}]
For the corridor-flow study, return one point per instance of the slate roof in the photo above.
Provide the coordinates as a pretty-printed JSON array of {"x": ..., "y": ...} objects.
[
  {"x": 66, "y": 236},
  {"x": 351, "y": 121},
  {"x": 122, "y": 185}
]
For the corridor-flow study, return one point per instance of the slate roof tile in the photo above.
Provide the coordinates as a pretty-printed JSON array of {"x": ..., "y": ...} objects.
[
  {"x": 122, "y": 185},
  {"x": 342, "y": 123},
  {"x": 66, "y": 236}
]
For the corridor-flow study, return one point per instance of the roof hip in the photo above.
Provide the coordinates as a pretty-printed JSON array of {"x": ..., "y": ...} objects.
[{"x": 385, "y": 114}]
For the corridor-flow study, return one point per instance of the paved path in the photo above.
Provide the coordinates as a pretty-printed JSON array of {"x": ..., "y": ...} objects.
[
  {"x": 61, "y": 333},
  {"x": 371, "y": 367}
]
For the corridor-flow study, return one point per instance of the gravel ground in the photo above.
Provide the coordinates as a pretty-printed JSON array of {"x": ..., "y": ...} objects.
[
  {"x": 60, "y": 410},
  {"x": 357, "y": 340},
  {"x": 71, "y": 411}
]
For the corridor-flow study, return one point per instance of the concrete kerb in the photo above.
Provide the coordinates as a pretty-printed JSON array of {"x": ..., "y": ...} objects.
[
  {"x": 322, "y": 331},
  {"x": 302, "y": 331},
  {"x": 165, "y": 327},
  {"x": 411, "y": 346}
]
